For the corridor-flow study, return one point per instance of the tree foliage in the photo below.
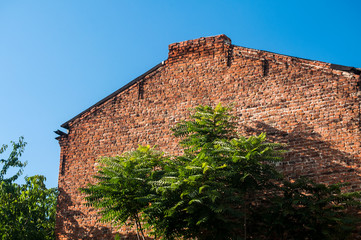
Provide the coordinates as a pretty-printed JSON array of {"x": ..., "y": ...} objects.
[
  {"x": 123, "y": 190},
  {"x": 219, "y": 174},
  {"x": 223, "y": 186},
  {"x": 304, "y": 209},
  {"x": 27, "y": 211},
  {"x": 12, "y": 160}
]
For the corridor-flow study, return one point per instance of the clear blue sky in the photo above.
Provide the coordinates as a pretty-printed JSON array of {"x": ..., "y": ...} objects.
[{"x": 58, "y": 58}]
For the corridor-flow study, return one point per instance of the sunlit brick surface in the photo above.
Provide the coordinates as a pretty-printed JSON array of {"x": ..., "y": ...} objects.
[{"x": 312, "y": 108}]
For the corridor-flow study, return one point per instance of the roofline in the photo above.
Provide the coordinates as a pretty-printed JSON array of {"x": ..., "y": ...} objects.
[
  {"x": 65, "y": 125},
  {"x": 344, "y": 68},
  {"x": 354, "y": 70},
  {"x": 134, "y": 81}
]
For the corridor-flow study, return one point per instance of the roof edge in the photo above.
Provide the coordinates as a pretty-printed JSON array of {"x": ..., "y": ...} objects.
[
  {"x": 198, "y": 41},
  {"x": 126, "y": 86},
  {"x": 354, "y": 70}
]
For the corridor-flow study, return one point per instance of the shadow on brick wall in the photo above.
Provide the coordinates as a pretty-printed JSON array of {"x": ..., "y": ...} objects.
[
  {"x": 312, "y": 157},
  {"x": 69, "y": 224},
  {"x": 308, "y": 155}
]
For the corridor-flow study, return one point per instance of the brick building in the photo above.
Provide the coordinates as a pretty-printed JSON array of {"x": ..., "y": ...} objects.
[{"x": 312, "y": 106}]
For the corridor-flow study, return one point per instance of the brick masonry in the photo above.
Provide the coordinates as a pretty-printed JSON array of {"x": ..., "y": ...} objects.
[{"x": 309, "y": 105}]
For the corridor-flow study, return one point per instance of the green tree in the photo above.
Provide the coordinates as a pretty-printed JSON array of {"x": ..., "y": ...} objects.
[
  {"x": 223, "y": 186},
  {"x": 123, "y": 190},
  {"x": 12, "y": 161},
  {"x": 219, "y": 175},
  {"x": 304, "y": 209},
  {"x": 27, "y": 211}
]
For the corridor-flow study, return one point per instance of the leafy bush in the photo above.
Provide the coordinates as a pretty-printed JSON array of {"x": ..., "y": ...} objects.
[
  {"x": 27, "y": 211},
  {"x": 223, "y": 186}
]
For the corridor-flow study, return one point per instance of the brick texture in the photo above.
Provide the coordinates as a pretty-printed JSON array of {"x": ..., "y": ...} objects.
[{"x": 306, "y": 104}]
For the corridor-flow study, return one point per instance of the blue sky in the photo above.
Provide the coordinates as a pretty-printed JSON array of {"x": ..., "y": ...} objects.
[{"x": 58, "y": 58}]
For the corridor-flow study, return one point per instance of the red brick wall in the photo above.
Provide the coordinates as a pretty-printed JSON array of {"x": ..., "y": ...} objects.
[{"x": 312, "y": 108}]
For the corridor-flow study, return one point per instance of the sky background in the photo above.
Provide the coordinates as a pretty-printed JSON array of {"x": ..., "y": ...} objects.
[{"x": 57, "y": 58}]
